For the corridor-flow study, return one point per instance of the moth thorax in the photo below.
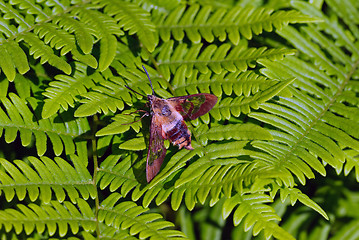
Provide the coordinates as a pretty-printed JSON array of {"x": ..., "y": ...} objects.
[{"x": 166, "y": 111}]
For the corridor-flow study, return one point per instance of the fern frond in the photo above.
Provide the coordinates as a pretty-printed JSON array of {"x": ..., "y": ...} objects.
[
  {"x": 350, "y": 230},
  {"x": 121, "y": 123},
  {"x": 127, "y": 215},
  {"x": 296, "y": 194},
  {"x": 60, "y": 32},
  {"x": 211, "y": 57},
  {"x": 12, "y": 14},
  {"x": 279, "y": 119},
  {"x": 255, "y": 213},
  {"x": 40, "y": 50},
  {"x": 315, "y": 124},
  {"x": 11, "y": 56},
  {"x": 135, "y": 144},
  {"x": 352, "y": 161},
  {"x": 133, "y": 19},
  {"x": 107, "y": 28},
  {"x": 125, "y": 59},
  {"x": 37, "y": 47},
  {"x": 232, "y": 131},
  {"x": 216, "y": 171},
  {"x": 32, "y": 216},
  {"x": 110, "y": 232},
  {"x": 228, "y": 83},
  {"x": 44, "y": 177},
  {"x": 41, "y": 13},
  {"x": 107, "y": 98},
  {"x": 64, "y": 92},
  {"x": 341, "y": 36},
  {"x": 327, "y": 124},
  {"x": 229, "y": 106},
  {"x": 111, "y": 94},
  {"x": 197, "y": 22},
  {"x": 115, "y": 174},
  {"x": 19, "y": 118},
  {"x": 83, "y": 33},
  {"x": 61, "y": 39}
]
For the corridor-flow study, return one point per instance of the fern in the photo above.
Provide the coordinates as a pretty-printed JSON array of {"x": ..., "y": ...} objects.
[
  {"x": 217, "y": 58},
  {"x": 109, "y": 95},
  {"x": 63, "y": 93},
  {"x": 203, "y": 22},
  {"x": 18, "y": 117},
  {"x": 254, "y": 205},
  {"x": 31, "y": 216},
  {"x": 127, "y": 215},
  {"x": 134, "y": 19},
  {"x": 57, "y": 175},
  {"x": 287, "y": 113},
  {"x": 326, "y": 123}
]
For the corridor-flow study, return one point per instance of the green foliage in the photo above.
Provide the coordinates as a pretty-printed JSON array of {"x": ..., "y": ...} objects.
[
  {"x": 61, "y": 130},
  {"x": 206, "y": 22},
  {"x": 28, "y": 217},
  {"x": 287, "y": 83},
  {"x": 127, "y": 215},
  {"x": 56, "y": 175}
]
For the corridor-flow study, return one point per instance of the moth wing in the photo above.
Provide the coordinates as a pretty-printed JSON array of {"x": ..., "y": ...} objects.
[
  {"x": 193, "y": 106},
  {"x": 156, "y": 150}
]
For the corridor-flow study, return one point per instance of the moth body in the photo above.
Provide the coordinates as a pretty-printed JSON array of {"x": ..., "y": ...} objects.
[
  {"x": 167, "y": 122},
  {"x": 171, "y": 121}
]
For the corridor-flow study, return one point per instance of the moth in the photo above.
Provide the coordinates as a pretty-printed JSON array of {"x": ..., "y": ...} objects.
[{"x": 167, "y": 122}]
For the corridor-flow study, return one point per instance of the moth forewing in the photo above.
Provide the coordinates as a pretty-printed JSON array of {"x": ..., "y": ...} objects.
[
  {"x": 156, "y": 150},
  {"x": 169, "y": 114}
]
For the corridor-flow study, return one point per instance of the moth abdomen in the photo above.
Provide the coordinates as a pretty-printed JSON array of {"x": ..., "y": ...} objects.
[{"x": 180, "y": 135}]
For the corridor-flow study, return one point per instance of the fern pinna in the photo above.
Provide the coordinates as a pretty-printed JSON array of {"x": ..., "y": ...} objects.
[{"x": 285, "y": 74}]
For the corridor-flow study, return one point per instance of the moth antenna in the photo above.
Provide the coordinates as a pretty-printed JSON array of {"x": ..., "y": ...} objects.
[
  {"x": 134, "y": 91},
  {"x": 153, "y": 91}
]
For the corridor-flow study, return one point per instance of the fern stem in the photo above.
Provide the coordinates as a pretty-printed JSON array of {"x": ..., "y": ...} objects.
[{"x": 94, "y": 180}]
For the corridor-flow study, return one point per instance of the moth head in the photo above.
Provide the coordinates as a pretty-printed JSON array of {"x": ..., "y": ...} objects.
[{"x": 151, "y": 98}]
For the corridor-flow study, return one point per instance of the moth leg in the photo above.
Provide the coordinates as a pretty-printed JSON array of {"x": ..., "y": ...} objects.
[
  {"x": 164, "y": 134},
  {"x": 139, "y": 110},
  {"x": 144, "y": 115}
]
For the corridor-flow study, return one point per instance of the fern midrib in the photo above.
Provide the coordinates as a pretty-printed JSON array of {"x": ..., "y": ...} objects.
[
  {"x": 47, "y": 220},
  {"x": 94, "y": 179},
  {"x": 48, "y": 18},
  {"x": 33, "y": 130},
  {"x": 102, "y": 98},
  {"x": 263, "y": 22},
  {"x": 321, "y": 114},
  {"x": 117, "y": 175},
  {"x": 266, "y": 54},
  {"x": 39, "y": 10},
  {"x": 238, "y": 102},
  {"x": 66, "y": 92},
  {"x": 255, "y": 84},
  {"x": 45, "y": 184},
  {"x": 18, "y": 17}
]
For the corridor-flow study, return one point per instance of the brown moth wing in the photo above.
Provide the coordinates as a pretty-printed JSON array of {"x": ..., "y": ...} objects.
[
  {"x": 156, "y": 150},
  {"x": 193, "y": 106}
]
